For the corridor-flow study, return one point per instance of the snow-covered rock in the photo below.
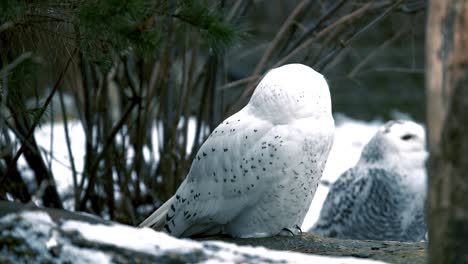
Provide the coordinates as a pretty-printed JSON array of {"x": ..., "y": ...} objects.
[{"x": 34, "y": 237}]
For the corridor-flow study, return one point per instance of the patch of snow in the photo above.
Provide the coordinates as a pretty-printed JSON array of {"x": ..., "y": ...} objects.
[
  {"x": 60, "y": 162},
  {"x": 149, "y": 241},
  {"x": 41, "y": 235},
  {"x": 143, "y": 239},
  {"x": 26, "y": 173},
  {"x": 41, "y": 221},
  {"x": 73, "y": 254},
  {"x": 191, "y": 131},
  {"x": 52, "y": 242},
  {"x": 34, "y": 227}
]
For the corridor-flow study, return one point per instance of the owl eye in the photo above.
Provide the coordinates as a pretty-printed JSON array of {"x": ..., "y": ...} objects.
[{"x": 407, "y": 137}]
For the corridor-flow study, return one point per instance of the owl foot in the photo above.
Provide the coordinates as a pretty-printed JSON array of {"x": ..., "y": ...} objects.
[
  {"x": 299, "y": 229},
  {"x": 288, "y": 232}
]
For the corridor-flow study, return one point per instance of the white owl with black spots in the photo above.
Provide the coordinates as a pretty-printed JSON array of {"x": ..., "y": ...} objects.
[
  {"x": 383, "y": 197},
  {"x": 258, "y": 171}
]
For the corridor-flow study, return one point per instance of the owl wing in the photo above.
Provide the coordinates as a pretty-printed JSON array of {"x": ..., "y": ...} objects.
[
  {"x": 363, "y": 204},
  {"x": 227, "y": 174},
  {"x": 237, "y": 164},
  {"x": 338, "y": 203},
  {"x": 379, "y": 208}
]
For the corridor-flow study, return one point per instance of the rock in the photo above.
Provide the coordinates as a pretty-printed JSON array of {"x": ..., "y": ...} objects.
[
  {"x": 388, "y": 251},
  {"x": 30, "y": 234}
]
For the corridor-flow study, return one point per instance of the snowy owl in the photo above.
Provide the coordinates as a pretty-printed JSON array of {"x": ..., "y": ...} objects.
[
  {"x": 258, "y": 171},
  {"x": 383, "y": 197}
]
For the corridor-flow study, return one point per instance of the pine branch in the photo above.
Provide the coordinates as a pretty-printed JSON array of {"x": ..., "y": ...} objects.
[{"x": 219, "y": 33}]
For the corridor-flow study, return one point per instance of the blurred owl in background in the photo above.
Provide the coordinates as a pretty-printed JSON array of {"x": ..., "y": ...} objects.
[{"x": 383, "y": 197}]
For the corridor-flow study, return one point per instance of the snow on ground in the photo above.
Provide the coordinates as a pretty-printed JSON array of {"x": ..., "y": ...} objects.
[
  {"x": 52, "y": 141},
  {"x": 350, "y": 137},
  {"x": 78, "y": 242},
  {"x": 53, "y": 138},
  {"x": 36, "y": 235}
]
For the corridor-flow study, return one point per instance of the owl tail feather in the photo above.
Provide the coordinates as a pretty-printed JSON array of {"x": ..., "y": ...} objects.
[{"x": 157, "y": 219}]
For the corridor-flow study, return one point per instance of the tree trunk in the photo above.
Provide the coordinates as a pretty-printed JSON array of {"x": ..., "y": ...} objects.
[{"x": 447, "y": 118}]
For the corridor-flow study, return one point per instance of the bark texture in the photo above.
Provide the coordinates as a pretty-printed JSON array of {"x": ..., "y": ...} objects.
[{"x": 447, "y": 118}]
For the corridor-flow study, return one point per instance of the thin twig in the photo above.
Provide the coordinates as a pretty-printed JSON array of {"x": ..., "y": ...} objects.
[
  {"x": 362, "y": 30},
  {"x": 339, "y": 22},
  {"x": 399, "y": 70},
  {"x": 234, "y": 9},
  {"x": 278, "y": 37},
  {"x": 190, "y": 74},
  {"x": 314, "y": 27},
  {"x": 6, "y": 26},
  {"x": 43, "y": 150},
  {"x": 325, "y": 31},
  {"x": 20, "y": 59},
  {"x": 239, "y": 82},
  {"x": 375, "y": 52},
  {"x": 327, "y": 43},
  {"x": 70, "y": 153},
  {"x": 376, "y": 20},
  {"x": 103, "y": 152},
  {"x": 51, "y": 146},
  {"x": 52, "y": 32},
  {"x": 380, "y": 69},
  {"x": 49, "y": 17}
]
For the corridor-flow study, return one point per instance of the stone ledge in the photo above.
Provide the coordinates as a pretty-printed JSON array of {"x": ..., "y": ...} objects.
[{"x": 386, "y": 251}]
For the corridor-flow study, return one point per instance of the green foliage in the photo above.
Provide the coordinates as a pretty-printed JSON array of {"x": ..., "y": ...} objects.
[
  {"x": 39, "y": 115},
  {"x": 205, "y": 17},
  {"x": 11, "y": 10},
  {"x": 20, "y": 80},
  {"x": 109, "y": 27}
]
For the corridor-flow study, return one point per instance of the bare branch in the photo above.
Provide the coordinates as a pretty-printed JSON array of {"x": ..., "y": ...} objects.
[
  {"x": 20, "y": 59},
  {"x": 357, "y": 13},
  {"x": 376, "y": 51},
  {"x": 6, "y": 26},
  {"x": 279, "y": 37}
]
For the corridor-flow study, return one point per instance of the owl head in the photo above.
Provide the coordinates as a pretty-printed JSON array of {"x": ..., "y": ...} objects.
[
  {"x": 290, "y": 92},
  {"x": 397, "y": 141}
]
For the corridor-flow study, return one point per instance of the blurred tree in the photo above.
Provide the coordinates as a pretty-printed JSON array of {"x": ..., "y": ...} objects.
[
  {"x": 106, "y": 33},
  {"x": 447, "y": 86}
]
